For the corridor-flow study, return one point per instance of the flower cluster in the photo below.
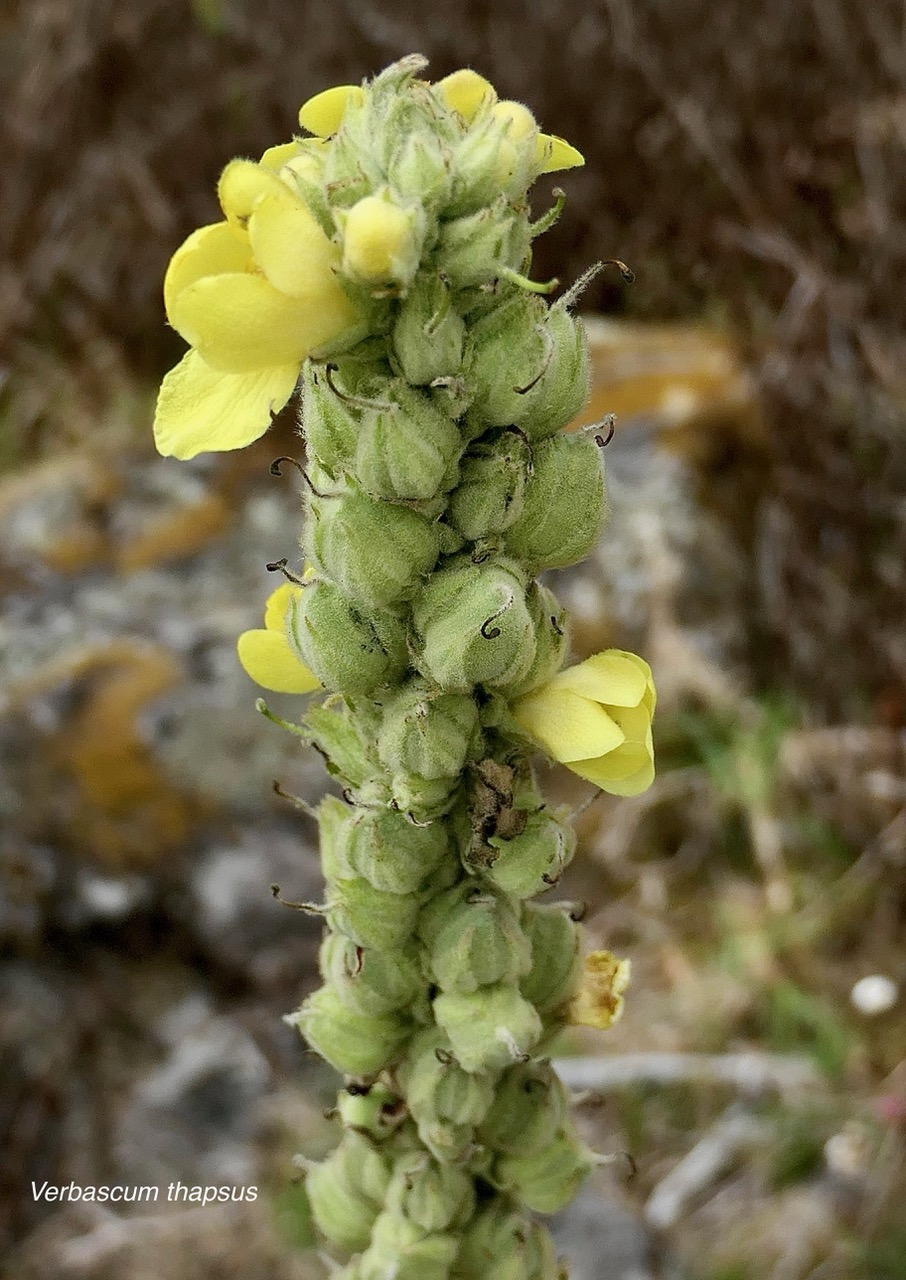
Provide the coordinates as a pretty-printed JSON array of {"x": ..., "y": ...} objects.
[{"x": 381, "y": 264}]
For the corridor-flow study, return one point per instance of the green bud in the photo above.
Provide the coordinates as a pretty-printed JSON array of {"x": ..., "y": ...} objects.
[
  {"x": 474, "y": 249},
  {"x": 340, "y": 1208},
  {"x": 556, "y": 962},
  {"x": 565, "y": 505},
  {"x": 348, "y": 648},
  {"x": 445, "y": 1102},
  {"x": 494, "y": 1244},
  {"x": 428, "y": 335},
  {"x": 427, "y": 733},
  {"x": 547, "y": 1180},
  {"x": 541, "y": 1258},
  {"x": 474, "y": 939},
  {"x": 390, "y": 851},
  {"x": 529, "y": 1105},
  {"x": 369, "y": 916},
  {"x": 433, "y": 1196},
  {"x": 490, "y": 1028},
  {"x": 374, "y": 551},
  {"x": 561, "y": 392},
  {"x": 354, "y": 1044},
  {"x": 531, "y": 862},
  {"x": 408, "y": 451},
  {"x": 423, "y": 799},
  {"x": 330, "y": 427},
  {"x": 419, "y": 169},
  {"x": 402, "y": 1250},
  {"x": 377, "y": 1112},
  {"x": 474, "y": 626},
  {"x": 509, "y": 351},
  {"x": 551, "y": 624},
  {"x": 370, "y": 982},
  {"x": 488, "y": 497}
]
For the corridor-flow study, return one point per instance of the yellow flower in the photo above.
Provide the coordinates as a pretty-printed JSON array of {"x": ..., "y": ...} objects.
[
  {"x": 469, "y": 94},
  {"x": 599, "y": 1000},
  {"x": 379, "y": 242},
  {"x": 253, "y": 295},
  {"x": 267, "y": 655},
  {"x": 596, "y": 719}
]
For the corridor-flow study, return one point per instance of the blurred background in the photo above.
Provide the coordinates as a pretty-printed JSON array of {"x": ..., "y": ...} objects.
[{"x": 747, "y": 159}]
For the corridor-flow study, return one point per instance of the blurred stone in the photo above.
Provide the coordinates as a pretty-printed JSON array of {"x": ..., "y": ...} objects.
[
  {"x": 605, "y": 1242},
  {"x": 237, "y": 919}
]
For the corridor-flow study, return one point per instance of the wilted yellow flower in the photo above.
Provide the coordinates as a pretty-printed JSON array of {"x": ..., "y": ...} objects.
[
  {"x": 599, "y": 1000},
  {"x": 267, "y": 656},
  {"x": 596, "y": 719},
  {"x": 253, "y": 295}
]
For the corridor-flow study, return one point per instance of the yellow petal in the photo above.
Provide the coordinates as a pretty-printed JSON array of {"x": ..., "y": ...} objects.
[
  {"x": 599, "y": 1000},
  {"x": 268, "y": 659},
  {"x": 556, "y": 153},
  {"x": 209, "y": 251},
  {"x": 277, "y": 607},
  {"x": 515, "y": 118},
  {"x": 464, "y": 92},
  {"x": 241, "y": 322},
  {"x": 242, "y": 184},
  {"x": 609, "y": 677},
  {"x": 276, "y": 157},
  {"x": 628, "y": 771},
  {"x": 567, "y": 726},
  {"x": 323, "y": 114},
  {"x": 199, "y": 409},
  {"x": 292, "y": 250}
]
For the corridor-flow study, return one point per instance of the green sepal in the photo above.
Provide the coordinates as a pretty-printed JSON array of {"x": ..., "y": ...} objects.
[
  {"x": 489, "y": 495},
  {"x": 401, "y": 1249},
  {"x": 474, "y": 939},
  {"x": 409, "y": 450},
  {"x": 547, "y": 1180},
  {"x": 555, "y": 939},
  {"x": 533, "y": 861},
  {"x": 430, "y": 1194},
  {"x": 369, "y": 916},
  {"x": 429, "y": 332},
  {"x": 368, "y": 981},
  {"x": 530, "y": 1103},
  {"x": 390, "y": 851}
]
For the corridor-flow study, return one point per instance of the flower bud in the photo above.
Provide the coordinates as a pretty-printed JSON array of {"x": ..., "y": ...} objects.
[
  {"x": 475, "y": 249},
  {"x": 490, "y": 1028},
  {"x": 429, "y": 331},
  {"x": 423, "y": 799},
  {"x": 409, "y": 450},
  {"x": 556, "y": 964},
  {"x": 391, "y": 852},
  {"x": 368, "y": 981},
  {"x": 488, "y": 497},
  {"x": 419, "y": 170},
  {"x": 564, "y": 508},
  {"x": 369, "y": 916},
  {"x": 551, "y": 625},
  {"x": 474, "y": 939},
  {"x": 541, "y": 1259},
  {"x": 474, "y": 626},
  {"x": 347, "y": 532},
  {"x": 401, "y": 1249},
  {"x": 529, "y": 1105},
  {"x": 509, "y": 353},
  {"x": 432, "y": 1196},
  {"x": 330, "y": 427},
  {"x": 494, "y": 1243},
  {"x": 354, "y": 1044},
  {"x": 346, "y": 647},
  {"x": 546, "y": 1180},
  {"x": 562, "y": 390},
  {"x": 426, "y": 733},
  {"x": 381, "y": 241},
  {"x": 346, "y": 1190},
  {"x": 439, "y": 1092},
  {"x": 529, "y": 863}
]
